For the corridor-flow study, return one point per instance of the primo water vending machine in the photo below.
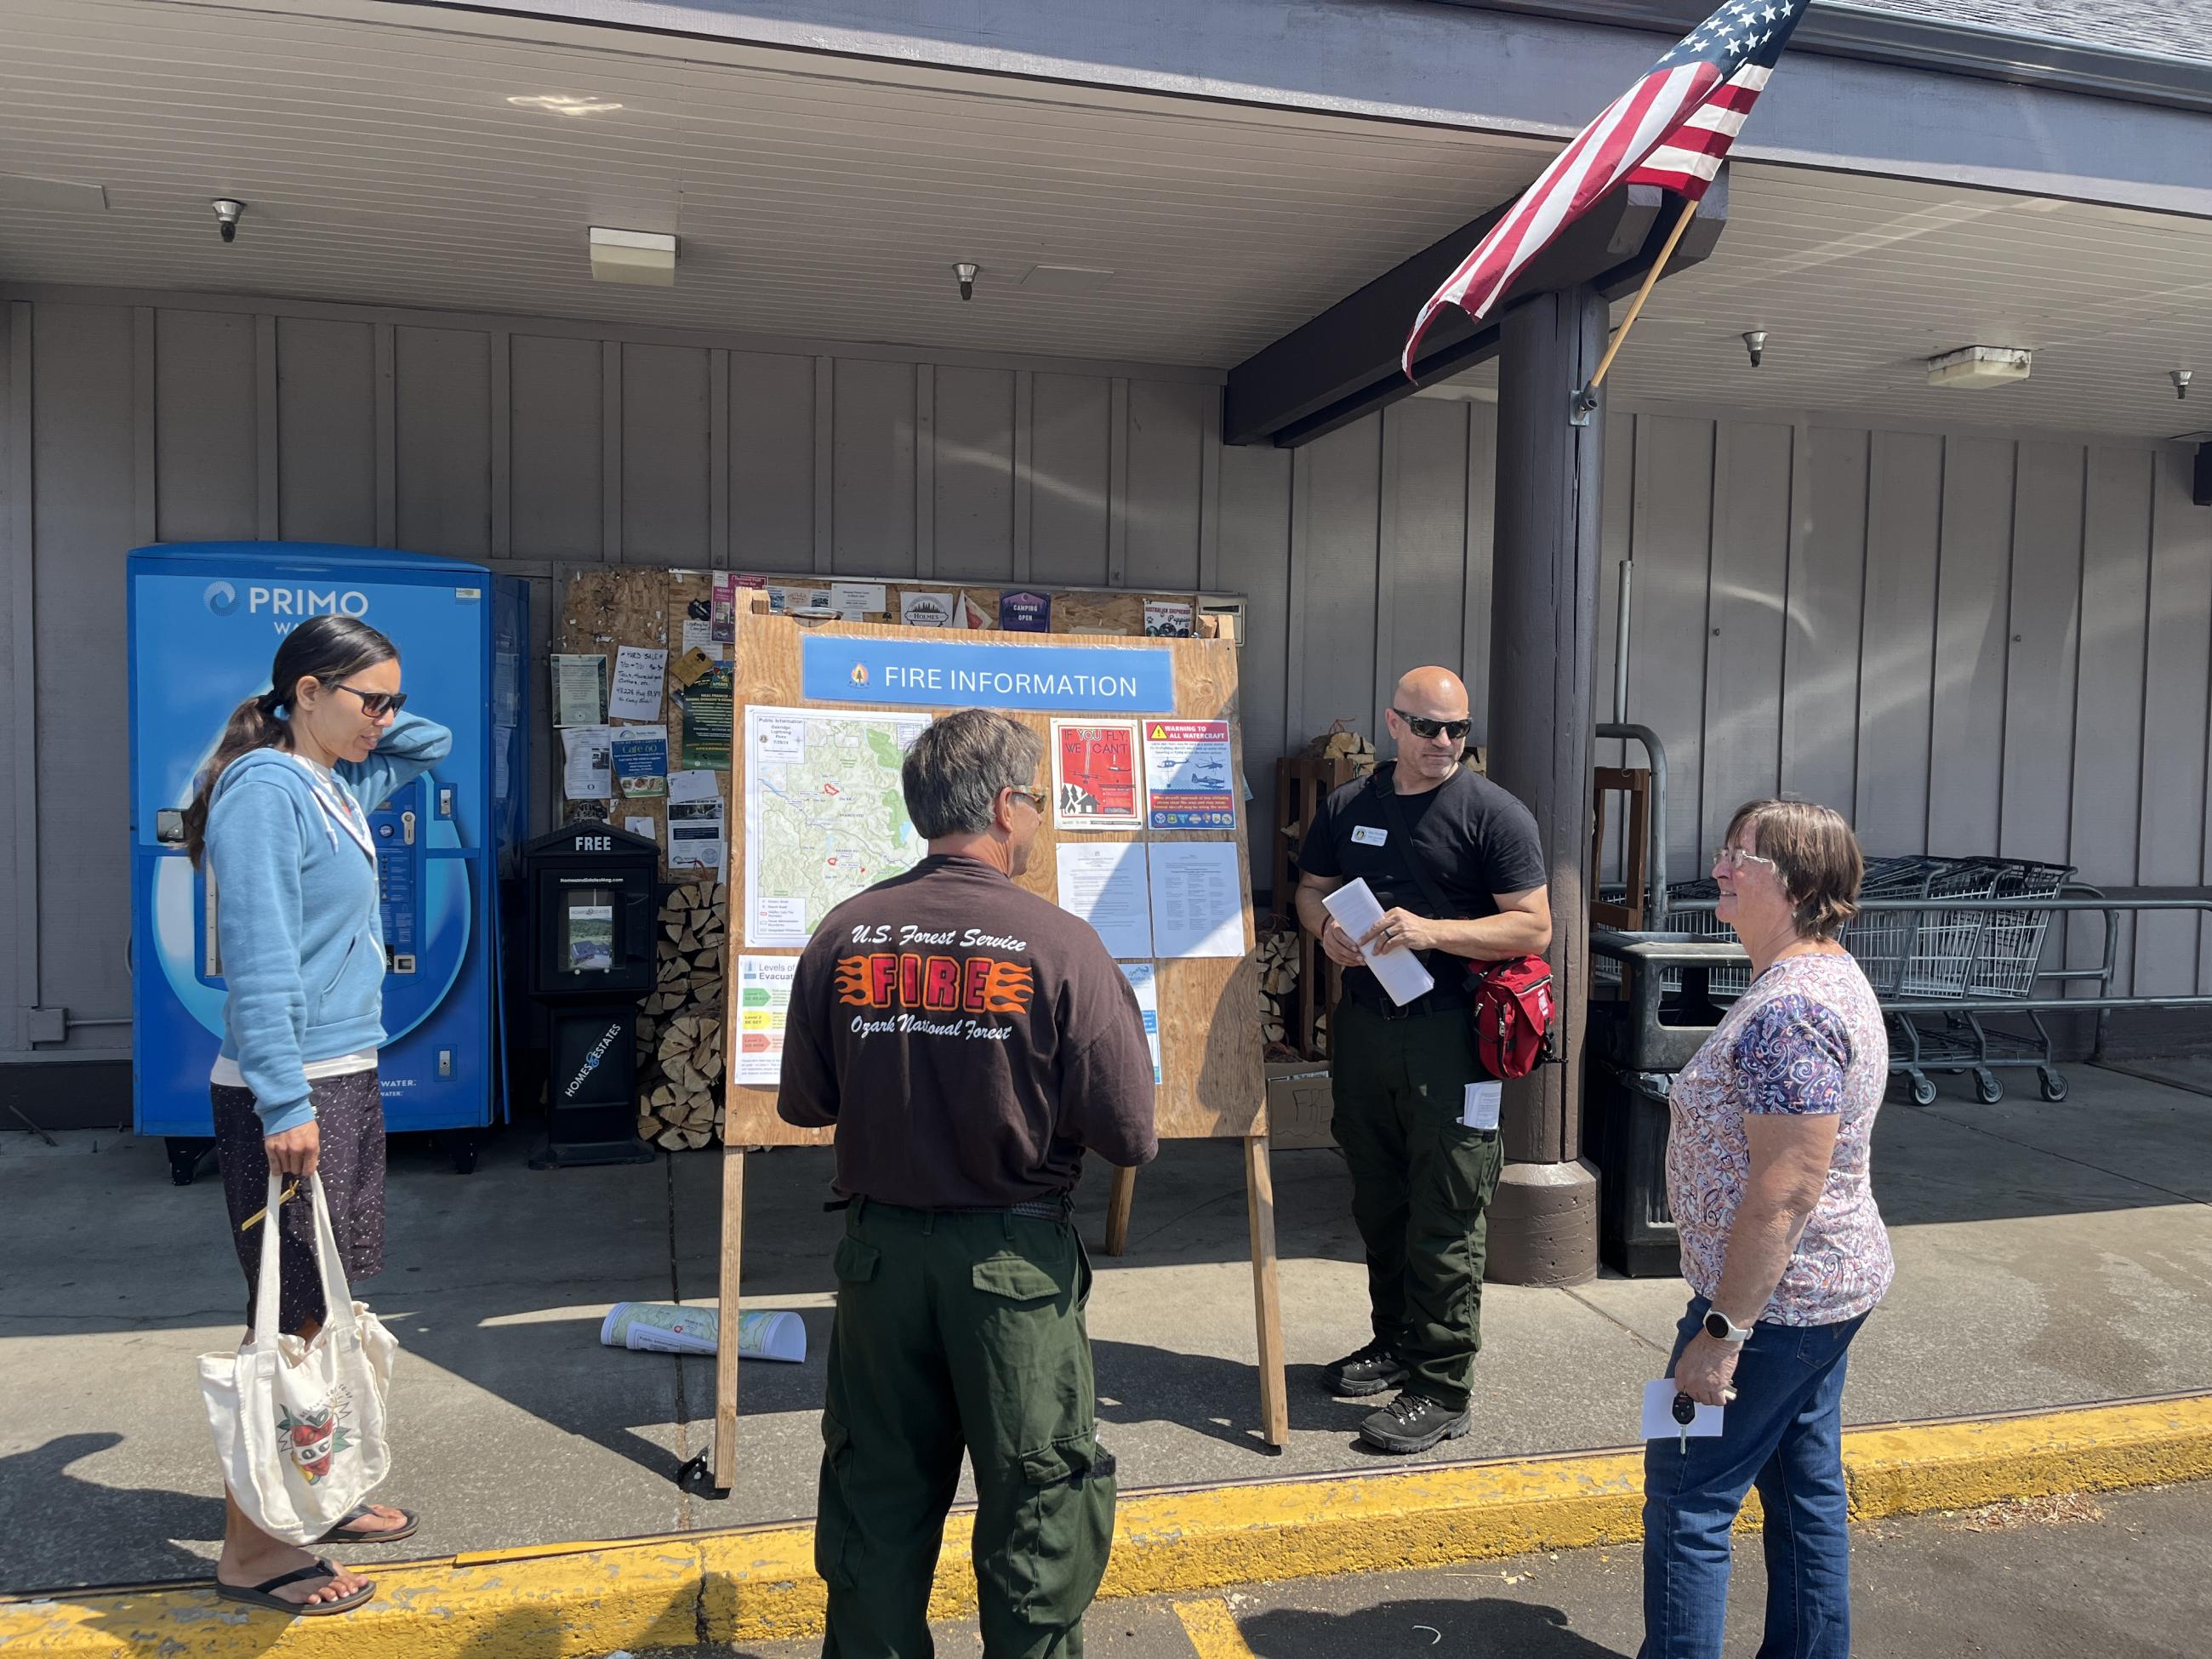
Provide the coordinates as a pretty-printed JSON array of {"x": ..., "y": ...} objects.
[{"x": 204, "y": 621}]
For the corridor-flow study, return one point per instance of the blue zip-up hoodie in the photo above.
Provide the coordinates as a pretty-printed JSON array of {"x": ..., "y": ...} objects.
[{"x": 297, "y": 919}]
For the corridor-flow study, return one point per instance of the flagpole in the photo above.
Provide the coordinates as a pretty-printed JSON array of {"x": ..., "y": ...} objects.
[{"x": 1586, "y": 399}]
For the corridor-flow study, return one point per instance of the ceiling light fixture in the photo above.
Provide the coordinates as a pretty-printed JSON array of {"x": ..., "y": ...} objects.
[
  {"x": 1972, "y": 368},
  {"x": 228, "y": 212},
  {"x": 1755, "y": 343},
  {"x": 2180, "y": 378},
  {"x": 560, "y": 104},
  {"x": 647, "y": 257},
  {"x": 967, "y": 271}
]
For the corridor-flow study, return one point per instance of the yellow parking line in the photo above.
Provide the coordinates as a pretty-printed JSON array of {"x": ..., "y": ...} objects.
[{"x": 1212, "y": 1629}]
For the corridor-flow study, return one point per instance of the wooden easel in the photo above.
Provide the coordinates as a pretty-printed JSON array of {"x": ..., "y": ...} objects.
[{"x": 1214, "y": 1084}]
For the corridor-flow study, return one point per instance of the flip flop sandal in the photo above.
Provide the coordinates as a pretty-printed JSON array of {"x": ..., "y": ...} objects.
[
  {"x": 347, "y": 1533},
  {"x": 259, "y": 1596}
]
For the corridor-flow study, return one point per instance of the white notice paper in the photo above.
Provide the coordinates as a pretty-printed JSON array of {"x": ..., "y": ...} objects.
[
  {"x": 926, "y": 610},
  {"x": 578, "y": 684},
  {"x": 764, "y": 1005},
  {"x": 699, "y": 635},
  {"x": 1356, "y": 909},
  {"x": 695, "y": 835},
  {"x": 692, "y": 786},
  {"x": 587, "y": 767},
  {"x": 855, "y": 600},
  {"x": 1659, "y": 1422},
  {"x": 1145, "y": 982},
  {"x": 1198, "y": 899},
  {"x": 642, "y": 827},
  {"x": 1104, "y": 884},
  {"x": 1480, "y": 1111},
  {"x": 635, "y": 695}
]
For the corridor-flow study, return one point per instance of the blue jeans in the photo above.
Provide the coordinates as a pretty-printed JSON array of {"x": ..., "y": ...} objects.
[{"x": 1783, "y": 1433}]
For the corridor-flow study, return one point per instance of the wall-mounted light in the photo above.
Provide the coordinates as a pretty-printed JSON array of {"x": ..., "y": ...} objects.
[
  {"x": 2180, "y": 378},
  {"x": 1755, "y": 343},
  {"x": 1970, "y": 367},
  {"x": 229, "y": 210},
  {"x": 632, "y": 256},
  {"x": 966, "y": 271}
]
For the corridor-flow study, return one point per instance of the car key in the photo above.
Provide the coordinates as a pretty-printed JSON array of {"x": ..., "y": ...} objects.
[{"x": 1684, "y": 1412}]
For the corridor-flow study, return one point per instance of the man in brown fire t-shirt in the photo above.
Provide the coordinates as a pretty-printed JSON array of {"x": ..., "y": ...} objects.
[{"x": 969, "y": 1040}]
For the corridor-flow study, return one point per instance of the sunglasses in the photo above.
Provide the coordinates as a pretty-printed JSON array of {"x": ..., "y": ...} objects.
[
  {"x": 1424, "y": 727},
  {"x": 1734, "y": 858},
  {"x": 1036, "y": 797},
  {"x": 376, "y": 704}
]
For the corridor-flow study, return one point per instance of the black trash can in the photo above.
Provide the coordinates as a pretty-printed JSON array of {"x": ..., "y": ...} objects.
[{"x": 1626, "y": 1135}]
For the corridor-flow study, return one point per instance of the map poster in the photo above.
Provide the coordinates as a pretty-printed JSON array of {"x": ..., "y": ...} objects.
[
  {"x": 1187, "y": 774},
  {"x": 708, "y": 708},
  {"x": 763, "y": 1006},
  {"x": 1023, "y": 612},
  {"x": 1094, "y": 775},
  {"x": 824, "y": 815}
]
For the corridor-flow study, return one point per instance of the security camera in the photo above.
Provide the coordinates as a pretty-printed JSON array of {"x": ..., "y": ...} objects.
[
  {"x": 228, "y": 213},
  {"x": 965, "y": 271},
  {"x": 2180, "y": 378},
  {"x": 1755, "y": 343}
]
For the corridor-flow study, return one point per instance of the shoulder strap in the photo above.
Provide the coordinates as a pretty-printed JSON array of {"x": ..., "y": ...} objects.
[{"x": 1393, "y": 810}]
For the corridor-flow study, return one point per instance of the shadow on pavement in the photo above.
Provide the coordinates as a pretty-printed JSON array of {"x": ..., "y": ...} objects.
[
  {"x": 40, "y": 1500},
  {"x": 1478, "y": 1625}
]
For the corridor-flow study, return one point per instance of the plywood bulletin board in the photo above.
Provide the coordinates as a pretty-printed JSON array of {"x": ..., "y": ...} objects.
[{"x": 1212, "y": 1079}]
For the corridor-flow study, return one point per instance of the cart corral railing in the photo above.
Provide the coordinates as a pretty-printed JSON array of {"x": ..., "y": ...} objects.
[{"x": 1683, "y": 964}]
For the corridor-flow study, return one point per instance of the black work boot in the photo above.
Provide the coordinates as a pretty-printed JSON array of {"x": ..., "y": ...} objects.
[
  {"x": 1413, "y": 1422},
  {"x": 1373, "y": 1368}
]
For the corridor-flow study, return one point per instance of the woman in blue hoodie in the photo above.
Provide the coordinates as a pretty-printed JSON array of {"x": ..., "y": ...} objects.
[{"x": 280, "y": 820}]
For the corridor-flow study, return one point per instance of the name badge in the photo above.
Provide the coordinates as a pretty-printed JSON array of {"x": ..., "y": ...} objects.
[{"x": 1366, "y": 835}]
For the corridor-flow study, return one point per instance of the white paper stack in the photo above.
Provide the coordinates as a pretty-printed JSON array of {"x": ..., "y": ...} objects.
[{"x": 1356, "y": 909}]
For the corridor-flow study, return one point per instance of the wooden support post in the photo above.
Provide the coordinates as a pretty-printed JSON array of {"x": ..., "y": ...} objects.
[
  {"x": 726, "y": 1351},
  {"x": 1118, "y": 1207},
  {"x": 1267, "y": 1297},
  {"x": 1543, "y": 627}
]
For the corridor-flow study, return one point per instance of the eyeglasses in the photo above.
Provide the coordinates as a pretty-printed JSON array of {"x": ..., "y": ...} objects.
[
  {"x": 1734, "y": 858},
  {"x": 376, "y": 704},
  {"x": 1424, "y": 727},
  {"x": 1036, "y": 797}
]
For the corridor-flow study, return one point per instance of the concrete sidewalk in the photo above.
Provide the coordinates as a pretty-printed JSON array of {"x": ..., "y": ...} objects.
[{"x": 2048, "y": 1255}]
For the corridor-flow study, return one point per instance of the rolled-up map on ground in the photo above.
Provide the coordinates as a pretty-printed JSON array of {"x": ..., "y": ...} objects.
[{"x": 665, "y": 1328}]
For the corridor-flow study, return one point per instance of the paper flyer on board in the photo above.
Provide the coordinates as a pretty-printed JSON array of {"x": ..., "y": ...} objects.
[
  {"x": 927, "y": 610},
  {"x": 1169, "y": 619},
  {"x": 586, "y": 771},
  {"x": 1023, "y": 611},
  {"x": 763, "y": 1006},
  {"x": 1144, "y": 980},
  {"x": 1094, "y": 775},
  {"x": 708, "y": 706},
  {"x": 1104, "y": 882},
  {"x": 696, "y": 838},
  {"x": 636, "y": 694},
  {"x": 580, "y": 686},
  {"x": 640, "y": 760},
  {"x": 1187, "y": 765},
  {"x": 1198, "y": 899}
]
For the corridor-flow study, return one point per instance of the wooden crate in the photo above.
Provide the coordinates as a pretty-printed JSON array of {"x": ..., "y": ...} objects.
[{"x": 1301, "y": 785}]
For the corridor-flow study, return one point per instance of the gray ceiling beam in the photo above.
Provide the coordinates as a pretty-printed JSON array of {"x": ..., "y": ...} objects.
[
  {"x": 2097, "y": 126},
  {"x": 1344, "y": 363}
]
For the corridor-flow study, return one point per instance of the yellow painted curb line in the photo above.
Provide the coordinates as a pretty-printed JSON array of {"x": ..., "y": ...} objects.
[{"x": 758, "y": 1584}]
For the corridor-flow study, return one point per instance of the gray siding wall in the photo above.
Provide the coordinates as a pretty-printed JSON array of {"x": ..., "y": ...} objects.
[{"x": 1969, "y": 642}]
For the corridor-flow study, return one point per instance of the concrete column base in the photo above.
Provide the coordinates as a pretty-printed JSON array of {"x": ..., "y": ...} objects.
[{"x": 1543, "y": 1225}]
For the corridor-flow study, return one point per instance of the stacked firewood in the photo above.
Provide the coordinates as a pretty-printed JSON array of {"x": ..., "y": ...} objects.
[
  {"x": 1340, "y": 740},
  {"x": 1279, "y": 982},
  {"x": 680, "y": 1032}
]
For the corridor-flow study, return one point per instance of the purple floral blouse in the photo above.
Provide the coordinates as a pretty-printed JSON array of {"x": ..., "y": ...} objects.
[{"x": 1808, "y": 1036}]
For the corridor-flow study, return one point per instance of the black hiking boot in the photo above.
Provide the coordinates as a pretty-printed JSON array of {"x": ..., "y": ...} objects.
[
  {"x": 1413, "y": 1422},
  {"x": 1373, "y": 1368}
]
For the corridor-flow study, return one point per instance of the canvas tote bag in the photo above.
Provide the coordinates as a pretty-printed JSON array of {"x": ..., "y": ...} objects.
[{"x": 299, "y": 1426}]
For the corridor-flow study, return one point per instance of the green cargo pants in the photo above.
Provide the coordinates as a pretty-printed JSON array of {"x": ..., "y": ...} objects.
[
  {"x": 960, "y": 1331},
  {"x": 1421, "y": 1185}
]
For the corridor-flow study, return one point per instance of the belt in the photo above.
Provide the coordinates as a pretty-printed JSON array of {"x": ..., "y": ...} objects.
[
  {"x": 1061, "y": 1209},
  {"x": 1429, "y": 1002}
]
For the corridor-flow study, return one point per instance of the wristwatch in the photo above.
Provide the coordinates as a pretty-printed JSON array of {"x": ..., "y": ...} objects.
[{"x": 1721, "y": 1328}]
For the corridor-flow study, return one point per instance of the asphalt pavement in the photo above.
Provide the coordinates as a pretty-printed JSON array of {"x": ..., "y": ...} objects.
[{"x": 2116, "y": 1576}]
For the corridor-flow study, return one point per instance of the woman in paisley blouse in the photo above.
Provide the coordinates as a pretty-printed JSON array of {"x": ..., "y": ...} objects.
[{"x": 1784, "y": 1250}]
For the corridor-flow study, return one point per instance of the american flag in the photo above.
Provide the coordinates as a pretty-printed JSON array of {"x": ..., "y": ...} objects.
[{"x": 1671, "y": 128}]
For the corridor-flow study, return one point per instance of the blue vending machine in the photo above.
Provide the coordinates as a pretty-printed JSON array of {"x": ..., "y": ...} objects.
[{"x": 204, "y": 621}]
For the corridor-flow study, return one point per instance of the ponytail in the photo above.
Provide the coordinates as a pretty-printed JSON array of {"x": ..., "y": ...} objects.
[
  {"x": 254, "y": 725},
  {"x": 323, "y": 648}
]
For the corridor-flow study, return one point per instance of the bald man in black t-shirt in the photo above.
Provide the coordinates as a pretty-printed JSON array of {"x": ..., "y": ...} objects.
[{"x": 1418, "y": 1126}]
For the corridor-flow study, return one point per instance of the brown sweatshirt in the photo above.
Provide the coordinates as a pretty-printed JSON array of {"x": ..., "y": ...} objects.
[{"x": 969, "y": 1040}]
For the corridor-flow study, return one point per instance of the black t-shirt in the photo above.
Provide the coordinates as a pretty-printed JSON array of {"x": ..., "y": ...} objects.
[{"x": 1474, "y": 841}]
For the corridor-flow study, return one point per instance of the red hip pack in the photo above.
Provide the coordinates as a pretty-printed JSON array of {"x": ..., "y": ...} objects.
[{"x": 1512, "y": 1015}]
